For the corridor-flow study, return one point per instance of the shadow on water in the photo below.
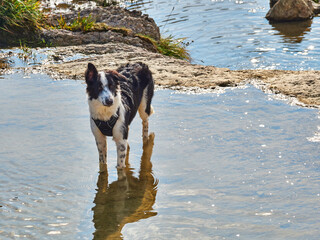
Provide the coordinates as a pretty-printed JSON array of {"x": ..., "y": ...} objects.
[
  {"x": 293, "y": 32},
  {"x": 126, "y": 200}
]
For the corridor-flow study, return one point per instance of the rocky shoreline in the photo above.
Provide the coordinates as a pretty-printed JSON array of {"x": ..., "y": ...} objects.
[
  {"x": 174, "y": 73},
  {"x": 108, "y": 48}
]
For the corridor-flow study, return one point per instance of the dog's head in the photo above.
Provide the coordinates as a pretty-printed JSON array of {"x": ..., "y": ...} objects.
[{"x": 102, "y": 86}]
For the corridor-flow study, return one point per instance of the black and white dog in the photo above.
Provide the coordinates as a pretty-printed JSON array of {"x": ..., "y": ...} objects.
[{"x": 114, "y": 98}]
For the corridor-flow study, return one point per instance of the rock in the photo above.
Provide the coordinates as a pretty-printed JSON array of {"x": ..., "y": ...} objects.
[
  {"x": 290, "y": 10},
  {"x": 115, "y": 16},
  {"x": 112, "y": 24},
  {"x": 61, "y": 37}
]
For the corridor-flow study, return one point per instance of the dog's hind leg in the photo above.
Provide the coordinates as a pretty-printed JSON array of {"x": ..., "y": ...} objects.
[
  {"x": 145, "y": 123},
  {"x": 145, "y": 110}
]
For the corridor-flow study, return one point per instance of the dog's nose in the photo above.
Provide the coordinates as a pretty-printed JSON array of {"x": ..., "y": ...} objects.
[{"x": 108, "y": 102}]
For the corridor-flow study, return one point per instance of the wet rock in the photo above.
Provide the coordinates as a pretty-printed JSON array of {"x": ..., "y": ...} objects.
[
  {"x": 112, "y": 24},
  {"x": 61, "y": 37},
  {"x": 290, "y": 10},
  {"x": 115, "y": 16}
]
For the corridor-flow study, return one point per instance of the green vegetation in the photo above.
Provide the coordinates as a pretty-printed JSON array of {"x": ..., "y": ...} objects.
[
  {"x": 83, "y": 24},
  {"x": 18, "y": 14},
  {"x": 102, "y": 27},
  {"x": 173, "y": 47},
  {"x": 317, "y": 1},
  {"x": 169, "y": 46},
  {"x": 19, "y": 17}
]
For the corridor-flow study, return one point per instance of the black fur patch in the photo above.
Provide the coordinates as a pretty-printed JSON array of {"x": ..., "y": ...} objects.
[
  {"x": 93, "y": 85},
  {"x": 106, "y": 127},
  {"x": 137, "y": 78},
  {"x": 122, "y": 147}
]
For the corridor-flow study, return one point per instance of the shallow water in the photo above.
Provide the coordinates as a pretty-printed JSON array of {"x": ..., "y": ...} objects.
[
  {"x": 233, "y": 165},
  {"x": 235, "y": 33}
]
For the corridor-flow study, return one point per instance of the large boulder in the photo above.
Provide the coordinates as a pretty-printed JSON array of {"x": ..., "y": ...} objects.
[
  {"x": 290, "y": 10},
  {"x": 115, "y": 16}
]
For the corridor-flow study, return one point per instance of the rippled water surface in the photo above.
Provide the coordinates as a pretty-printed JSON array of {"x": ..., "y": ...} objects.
[
  {"x": 229, "y": 33},
  {"x": 235, "y": 33},
  {"x": 238, "y": 164}
]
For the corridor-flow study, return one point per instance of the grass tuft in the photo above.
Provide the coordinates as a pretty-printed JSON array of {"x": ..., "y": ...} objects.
[
  {"x": 17, "y": 14},
  {"x": 169, "y": 46},
  {"x": 83, "y": 24},
  {"x": 174, "y": 47}
]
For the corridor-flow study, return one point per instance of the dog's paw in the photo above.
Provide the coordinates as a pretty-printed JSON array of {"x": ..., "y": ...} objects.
[
  {"x": 150, "y": 138},
  {"x": 149, "y": 141}
]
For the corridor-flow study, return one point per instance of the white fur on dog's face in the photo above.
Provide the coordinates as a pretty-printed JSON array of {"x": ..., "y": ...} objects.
[{"x": 106, "y": 97}]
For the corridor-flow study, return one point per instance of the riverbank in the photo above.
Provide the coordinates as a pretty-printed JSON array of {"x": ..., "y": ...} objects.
[
  {"x": 174, "y": 73},
  {"x": 121, "y": 38}
]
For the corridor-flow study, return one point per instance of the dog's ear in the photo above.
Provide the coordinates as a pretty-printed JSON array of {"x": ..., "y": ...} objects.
[
  {"x": 116, "y": 76},
  {"x": 91, "y": 73}
]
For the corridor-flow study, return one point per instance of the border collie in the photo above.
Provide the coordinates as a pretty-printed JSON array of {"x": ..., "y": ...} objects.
[{"x": 114, "y": 98}]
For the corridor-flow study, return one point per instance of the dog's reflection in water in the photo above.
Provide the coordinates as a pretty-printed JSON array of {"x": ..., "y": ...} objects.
[{"x": 126, "y": 200}]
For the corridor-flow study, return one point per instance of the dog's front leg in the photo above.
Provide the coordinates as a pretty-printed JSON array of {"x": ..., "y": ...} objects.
[
  {"x": 101, "y": 142},
  {"x": 121, "y": 152}
]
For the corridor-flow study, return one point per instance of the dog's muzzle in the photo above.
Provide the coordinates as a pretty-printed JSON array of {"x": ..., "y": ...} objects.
[{"x": 107, "y": 102}]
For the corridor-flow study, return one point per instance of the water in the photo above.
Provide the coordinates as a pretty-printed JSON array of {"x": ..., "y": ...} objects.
[
  {"x": 236, "y": 165},
  {"x": 235, "y": 33},
  {"x": 230, "y": 33}
]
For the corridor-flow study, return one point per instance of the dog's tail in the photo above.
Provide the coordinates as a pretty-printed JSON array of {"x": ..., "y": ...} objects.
[
  {"x": 144, "y": 75},
  {"x": 147, "y": 84}
]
